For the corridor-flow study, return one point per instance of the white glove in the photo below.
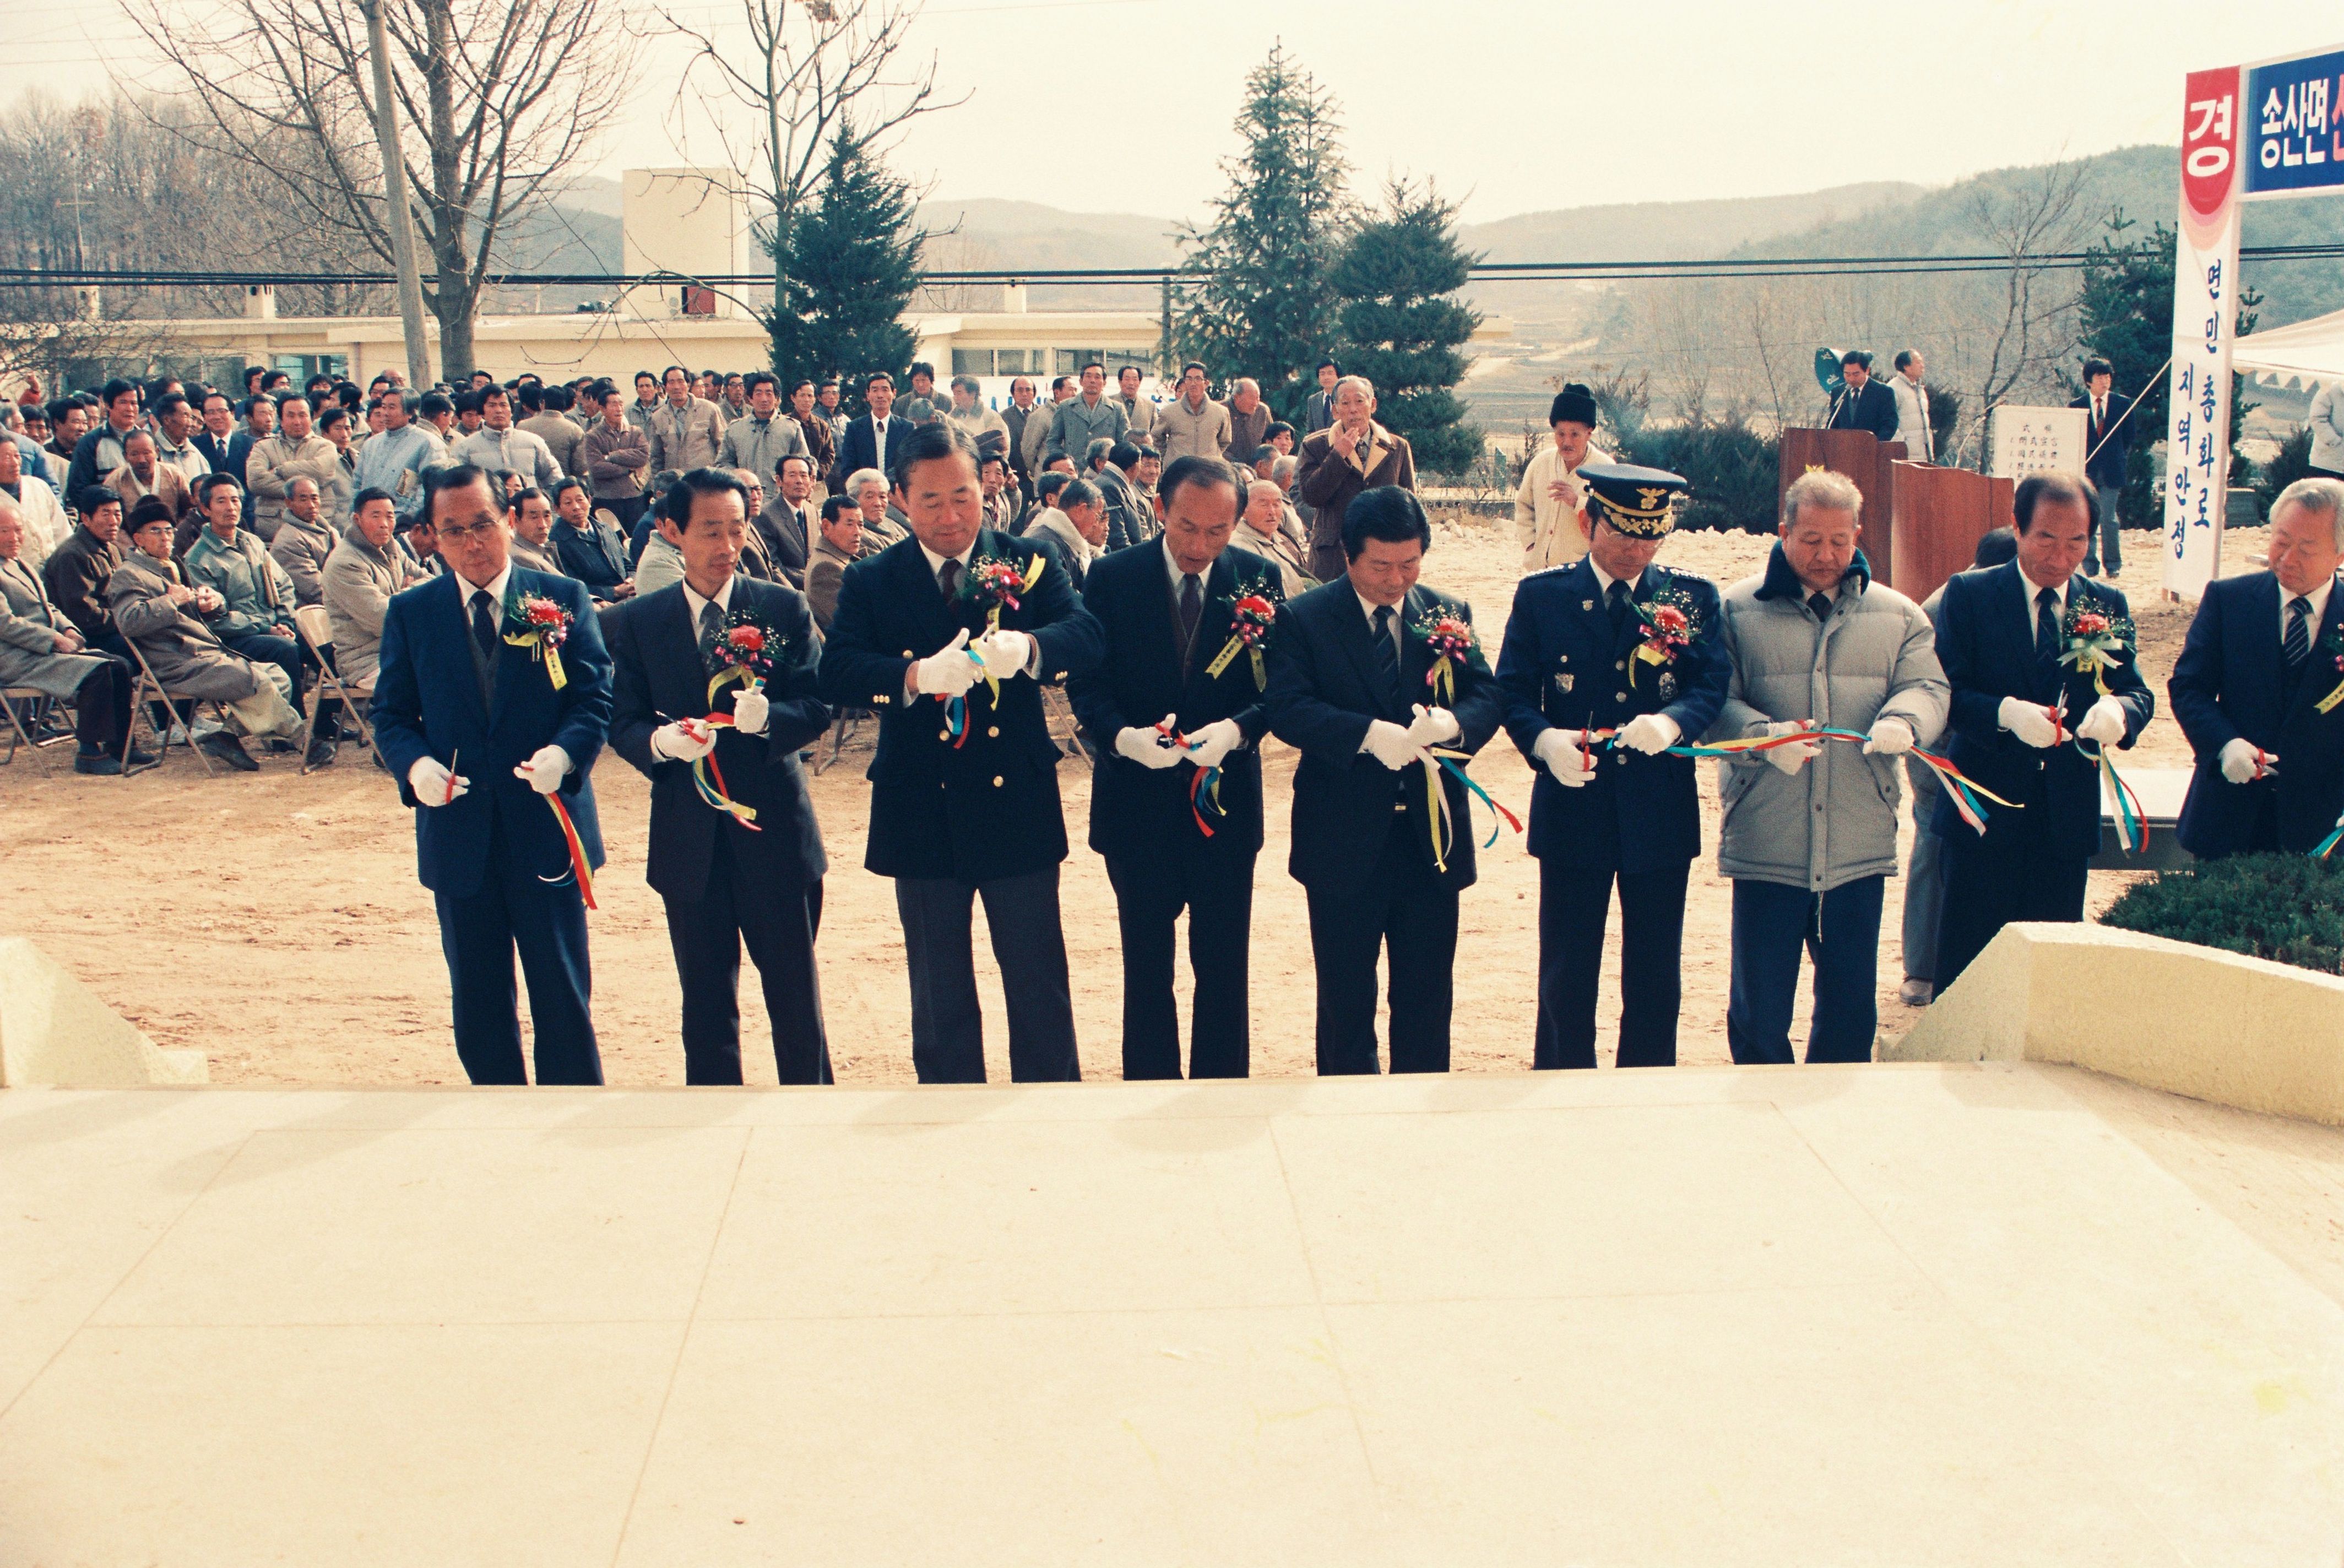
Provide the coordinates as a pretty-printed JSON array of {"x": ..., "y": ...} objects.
[
  {"x": 681, "y": 742},
  {"x": 1149, "y": 748},
  {"x": 1216, "y": 740},
  {"x": 1795, "y": 755},
  {"x": 2104, "y": 721},
  {"x": 544, "y": 771},
  {"x": 1651, "y": 734},
  {"x": 1891, "y": 737},
  {"x": 1005, "y": 653},
  {"x": 433, "y": 784},
  {"x": 2243, "y": 762},
  {"x": 2030, "y": 722},
  {"x": 1432, "y": 726},
  {"x": 1562, "y": 754},
  {"x": 1389, "y": 745},
  {"x": 948, "y": 672},
  {"x": 750, "y": 712}
]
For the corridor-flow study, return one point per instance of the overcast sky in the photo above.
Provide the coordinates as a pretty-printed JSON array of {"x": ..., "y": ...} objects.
[{"x": 1518, "y": 105}]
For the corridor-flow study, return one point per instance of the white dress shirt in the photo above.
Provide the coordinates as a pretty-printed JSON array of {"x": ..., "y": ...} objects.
[
  {"x": 495, "y": 589},
  {"x": 696, "y": 604}
]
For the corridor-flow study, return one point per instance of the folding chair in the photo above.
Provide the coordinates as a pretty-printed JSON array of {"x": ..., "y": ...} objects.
[
  {"x": 18, "y": 734},
  {"x": 315, "y": 630},
  {"x": 1059, "y": 718},
  {"x": 842, "y": 730},
  {"x": 140, "y": 697}
]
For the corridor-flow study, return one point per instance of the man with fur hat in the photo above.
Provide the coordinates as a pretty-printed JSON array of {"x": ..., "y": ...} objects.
[{"x": 1550, "y": 506}]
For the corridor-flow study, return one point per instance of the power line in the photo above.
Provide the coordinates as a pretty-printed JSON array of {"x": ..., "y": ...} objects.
[{"x": 1111, "y": 277}]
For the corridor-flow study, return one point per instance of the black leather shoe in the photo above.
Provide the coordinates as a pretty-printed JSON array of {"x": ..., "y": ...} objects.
[
  {"x": 140, "y": 759},
  {"x": 321, "y": 753},
  {"x": 227, "y": 748},
  {"x": 97, "y": 763}
]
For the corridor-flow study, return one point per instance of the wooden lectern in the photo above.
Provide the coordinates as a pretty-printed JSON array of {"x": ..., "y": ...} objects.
[{"x": 1921, "y": 522}]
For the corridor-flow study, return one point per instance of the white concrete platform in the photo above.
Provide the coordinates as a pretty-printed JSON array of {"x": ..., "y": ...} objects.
[{"x": 1884, "y": 1315}]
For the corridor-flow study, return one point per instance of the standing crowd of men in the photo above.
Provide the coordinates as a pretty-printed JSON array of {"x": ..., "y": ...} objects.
[{"x": 519, "y": 575}]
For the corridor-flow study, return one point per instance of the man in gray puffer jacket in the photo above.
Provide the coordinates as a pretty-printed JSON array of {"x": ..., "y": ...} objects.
[{"x": 1810, "y": 833}]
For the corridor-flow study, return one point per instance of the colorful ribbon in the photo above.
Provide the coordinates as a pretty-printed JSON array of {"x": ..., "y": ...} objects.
[
  {"x": 2328, "y": 845},
  {"x": 578, "y": 867},
  {"x": 1968, "y": 795},
  {"x": 957, "y": 708},
  {"x": 1437, "y": 761},
  {"x": 2132, "y": 826}
]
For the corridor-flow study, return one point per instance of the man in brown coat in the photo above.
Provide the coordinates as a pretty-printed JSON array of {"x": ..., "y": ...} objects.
[{"x": 1353, "y": 454}]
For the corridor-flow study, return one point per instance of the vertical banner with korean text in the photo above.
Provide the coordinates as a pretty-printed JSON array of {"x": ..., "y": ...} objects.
[{"x": 2205, "y": 313}]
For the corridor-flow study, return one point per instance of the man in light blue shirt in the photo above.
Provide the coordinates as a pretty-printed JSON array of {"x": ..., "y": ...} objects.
[{"x": 394, "y": 459}]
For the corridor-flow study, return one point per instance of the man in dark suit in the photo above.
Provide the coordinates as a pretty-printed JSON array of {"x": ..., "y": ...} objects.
[
  {"x": 1352, "y": 683},
  {"x": 1165, "y": 610},
  {"x": 964, "y": 784},
  {"x": 1575, "y": 663},
  {"x": 786, "y": 528},
  {"x": 727, "y": 880},
  {"x": 467, "y": 681},
  {"x": 870, "y": 441},
  {"x": 2108, "y": 436},
  {"x": 1864, "y": 404},
  {"x": 2264, "y": 651},
  {"x": 2029, "y": 721}
]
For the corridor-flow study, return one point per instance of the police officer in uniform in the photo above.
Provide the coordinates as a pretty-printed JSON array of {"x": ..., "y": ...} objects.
[{"x": 1613, "y": 646}]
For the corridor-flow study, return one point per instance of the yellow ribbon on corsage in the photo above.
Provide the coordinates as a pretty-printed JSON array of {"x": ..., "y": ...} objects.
[
  {"x": 2098, "y": 642},
  {"x": 1251, "y": 618},
  {"x": 545, "y": 624}
]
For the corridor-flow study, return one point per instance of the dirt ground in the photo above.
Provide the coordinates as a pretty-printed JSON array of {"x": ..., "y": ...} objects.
[{"x": 274, "y": 922}]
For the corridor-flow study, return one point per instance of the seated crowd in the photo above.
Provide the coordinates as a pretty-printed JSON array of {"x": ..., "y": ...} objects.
[{"x": 186, "y": 526}]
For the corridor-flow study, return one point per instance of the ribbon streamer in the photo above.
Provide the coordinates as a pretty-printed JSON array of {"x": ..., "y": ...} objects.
[
  {"x": 2327, "y": 845},
  {"x": 578, "y": 867},
  {"x": 2132, "y": 826},
  {"x": 1437, "y": 761}
]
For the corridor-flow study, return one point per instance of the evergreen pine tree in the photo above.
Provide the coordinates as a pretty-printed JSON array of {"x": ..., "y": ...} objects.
[
  {"x": 853, "y": 266},
  {"x": 1256, "y": 300},
  {"x": 1401, "y": 327}
]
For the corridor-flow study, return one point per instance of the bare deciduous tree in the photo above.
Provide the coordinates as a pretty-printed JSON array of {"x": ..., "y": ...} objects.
[
  {"x": 498, "y": 100},
  {"x": 2037, "y": 212},
  {"x": 774, "y": 102}
]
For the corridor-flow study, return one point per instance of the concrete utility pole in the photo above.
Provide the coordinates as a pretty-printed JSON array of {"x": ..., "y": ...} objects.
[{"x": 394, "y": 188}]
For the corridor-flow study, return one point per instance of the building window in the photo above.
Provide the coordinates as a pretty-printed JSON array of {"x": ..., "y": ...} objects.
[{"x": 1071, "y": 361}]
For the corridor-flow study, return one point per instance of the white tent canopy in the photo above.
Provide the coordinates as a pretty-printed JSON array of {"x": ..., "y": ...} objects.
[{"x": 2290, "y": 356}]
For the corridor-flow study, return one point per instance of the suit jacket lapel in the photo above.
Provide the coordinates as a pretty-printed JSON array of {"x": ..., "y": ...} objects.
[
  {"x": 454, "y": 619},
  {"x": 2315, "y": 682},
  {"x": 681, "y": 636},
  {"x": 1359, "y": 642}
]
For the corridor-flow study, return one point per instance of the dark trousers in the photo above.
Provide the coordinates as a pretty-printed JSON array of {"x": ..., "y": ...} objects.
[
  {"x": 2010, "y": 873},
  {"x": 778, "y": 924},
  {"x": 102, "y": 711},
  {"x": 1218, "y": 891},
  {"x": 1574, "y": 903},
  {"x": 1404, "y": 914},
  {"x": 479, "y": 934},
  {"x": 2105, "y": 545},
  {"x": 264, "y": 648},
  {"x": 1841, "y": 932},
  {"x": 948, "y": 1030}
]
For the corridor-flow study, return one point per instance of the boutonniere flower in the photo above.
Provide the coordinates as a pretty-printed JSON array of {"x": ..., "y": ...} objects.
[
  {"x": 1253, "y": 615},
  {"x": 2097, "y": 638},
  {"x": 1668, "y": 623},
  {"x": 997, "y": 584},
  {"x": 541, "y": 625},
  {"x": 745, "y": 652},
  {"x": 1449, "y": 637}
]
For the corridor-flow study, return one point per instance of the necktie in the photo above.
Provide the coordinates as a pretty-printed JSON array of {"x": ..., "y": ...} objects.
[
  {"x": 1616, "y": 601},
  {"x": 1821, "y": 604},
  {"x": 712, "y": 629},
  {"x": 2046, "y": 626},
  {"x": 2099, "y": 413},
  {"x": 1387, "y": 656},
  {"x": 2299, "y": 631},
  {"x": 1192, "y": 609},
  {"x": 484, "y": 625},
  {"x": 948, "y": 579}
]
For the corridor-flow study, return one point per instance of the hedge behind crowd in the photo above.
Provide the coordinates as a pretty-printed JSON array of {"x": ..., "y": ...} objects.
[{"x": 2285, "y": 908}]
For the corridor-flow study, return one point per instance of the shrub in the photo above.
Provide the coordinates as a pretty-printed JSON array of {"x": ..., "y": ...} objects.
[
  {"x": 2292, "y": 464},
  {"x": 2286, "y": 908},
  {"x": 1736, "y": 473}
]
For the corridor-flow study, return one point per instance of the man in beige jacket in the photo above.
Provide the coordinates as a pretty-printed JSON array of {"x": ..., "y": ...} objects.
[
  {"x": 1549, "y": 507},
  {"x": 295, "y": 450}
]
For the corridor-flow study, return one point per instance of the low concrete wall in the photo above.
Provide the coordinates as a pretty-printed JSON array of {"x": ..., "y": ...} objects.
[
  {"x": 2173, "y": 1015},
  {"x": 54, "y": 1031}
]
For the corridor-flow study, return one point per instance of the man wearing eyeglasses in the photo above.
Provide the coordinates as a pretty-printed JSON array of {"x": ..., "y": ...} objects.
[{"x": 496, "y": 676}]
